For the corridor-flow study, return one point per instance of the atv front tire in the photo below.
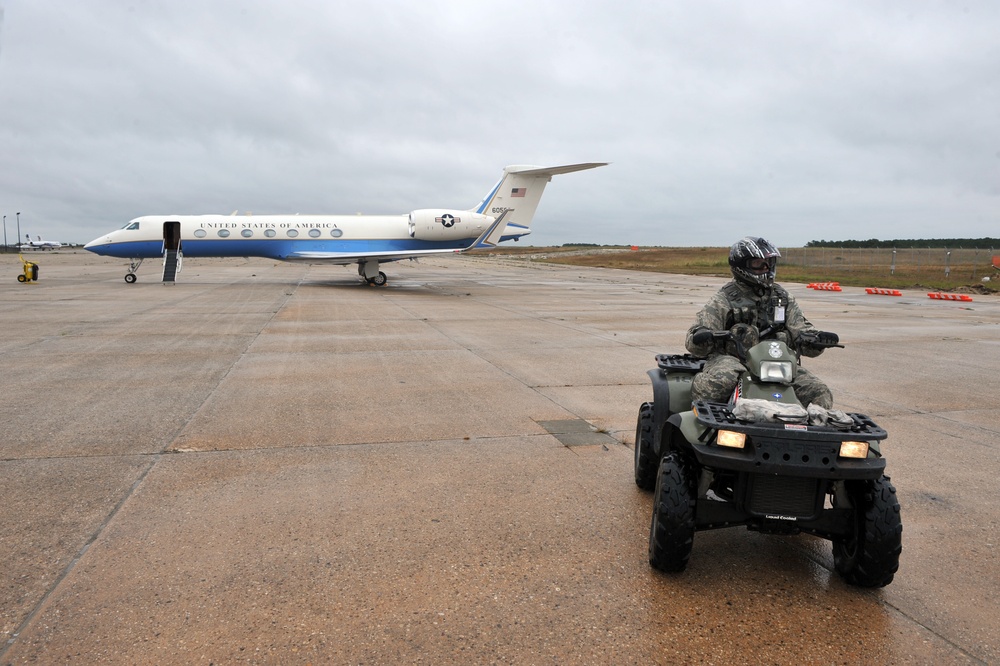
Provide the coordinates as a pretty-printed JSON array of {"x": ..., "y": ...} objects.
[
  {"x": 869, "y": 557},
  {"x": 645, "y": 457},
  {"x": 671, "y": 533}
]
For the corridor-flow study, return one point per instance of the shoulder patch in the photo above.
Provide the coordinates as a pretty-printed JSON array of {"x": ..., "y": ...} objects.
[{"x": 732, "y": 291}]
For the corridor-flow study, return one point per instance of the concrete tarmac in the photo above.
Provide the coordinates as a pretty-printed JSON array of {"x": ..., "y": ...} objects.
[{"x": 273, "y": 463}]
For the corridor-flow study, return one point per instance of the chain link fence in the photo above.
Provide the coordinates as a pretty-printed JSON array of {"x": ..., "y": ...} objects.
[{"x": 956, "y": 263}]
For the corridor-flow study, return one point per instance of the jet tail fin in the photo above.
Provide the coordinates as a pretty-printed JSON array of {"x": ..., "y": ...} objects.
[{"x": 518, "y": 193}]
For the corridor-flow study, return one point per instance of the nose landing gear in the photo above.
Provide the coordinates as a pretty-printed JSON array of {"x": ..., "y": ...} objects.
[{"x": 133, "y": 266}]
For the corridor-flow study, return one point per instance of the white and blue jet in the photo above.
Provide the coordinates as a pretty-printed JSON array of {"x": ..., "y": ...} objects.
[
  {"x": 505, "y": 213},
  {"x": 38, "y": 244}
]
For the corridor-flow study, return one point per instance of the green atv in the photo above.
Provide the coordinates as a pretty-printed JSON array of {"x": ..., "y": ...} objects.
[{"x": 711, "y": 465}]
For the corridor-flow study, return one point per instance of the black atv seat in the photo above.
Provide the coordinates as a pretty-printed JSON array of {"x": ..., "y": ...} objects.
[{"x": 680, "y": 363}]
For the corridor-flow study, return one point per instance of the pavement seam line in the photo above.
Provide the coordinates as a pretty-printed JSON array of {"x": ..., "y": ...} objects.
[
  {"x": 533, "y": 389},
  {"x": 934, "y": 632},
  {"x": 490, "y": 363},
  {"x": 156, "y": 457},
  {"x": 811, "y": 555},
  {"x": 79, "y": 556},
  {"x": 168, "y": 445}
]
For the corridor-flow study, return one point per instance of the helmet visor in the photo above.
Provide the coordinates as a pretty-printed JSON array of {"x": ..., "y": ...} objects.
[{"x": 760, "y": 266}]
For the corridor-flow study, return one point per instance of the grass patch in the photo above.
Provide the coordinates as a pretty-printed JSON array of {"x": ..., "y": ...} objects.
[{"x": 714, "y": 261}]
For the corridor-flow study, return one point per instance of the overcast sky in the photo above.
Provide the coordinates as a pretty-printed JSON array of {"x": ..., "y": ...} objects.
[{"x": 793, "y": 120}]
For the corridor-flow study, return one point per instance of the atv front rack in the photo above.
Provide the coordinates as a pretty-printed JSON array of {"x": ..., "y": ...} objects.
[{"x": 717, "y": 415}]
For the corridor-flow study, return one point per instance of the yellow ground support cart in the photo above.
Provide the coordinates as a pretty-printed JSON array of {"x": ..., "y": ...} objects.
[{"x": 30, "y": 271}]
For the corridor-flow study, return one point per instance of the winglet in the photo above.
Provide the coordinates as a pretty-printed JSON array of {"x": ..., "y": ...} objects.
[{"x": 491, "y": 236}]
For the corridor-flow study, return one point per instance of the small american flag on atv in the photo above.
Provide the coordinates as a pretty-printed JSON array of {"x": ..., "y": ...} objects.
[{"x": 518, "y": 191}]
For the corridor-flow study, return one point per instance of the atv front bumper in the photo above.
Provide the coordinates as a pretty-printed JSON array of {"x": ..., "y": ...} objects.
[{"x": 786, "y": 449}]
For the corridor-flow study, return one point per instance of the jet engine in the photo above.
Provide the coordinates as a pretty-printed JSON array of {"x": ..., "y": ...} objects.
[{"x": 435, "y": 224}]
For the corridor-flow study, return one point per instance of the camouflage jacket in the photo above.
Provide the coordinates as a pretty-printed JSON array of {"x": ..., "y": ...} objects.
[{"x": 738, "y": 303}]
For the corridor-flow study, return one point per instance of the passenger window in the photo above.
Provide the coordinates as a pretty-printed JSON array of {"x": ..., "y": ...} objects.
[
  {"x": 200, "y": 233},
  {"x": 270, "y": 233},
  {"x": 223, "y": 233},
  {"x": 336, "y": 233},
  {"x": 292, "y": 233},
  {"x": 314, "y": 233},
  {"x": 246, "y": 233}
]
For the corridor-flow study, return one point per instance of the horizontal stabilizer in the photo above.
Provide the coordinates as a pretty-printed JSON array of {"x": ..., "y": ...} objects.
[{"x": 556, "y": 170}]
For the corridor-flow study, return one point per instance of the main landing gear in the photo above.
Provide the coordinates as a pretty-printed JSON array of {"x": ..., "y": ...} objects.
[
  {"x": 133, "y": 266},
  {"x": 371, "y": 274}
]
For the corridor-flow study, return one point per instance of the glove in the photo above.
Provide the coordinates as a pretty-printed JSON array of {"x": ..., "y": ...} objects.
[
  {"x": 826, "y": 338},
  {"x": 747, "y": 335},
  {"x": 702, "y": 337}
]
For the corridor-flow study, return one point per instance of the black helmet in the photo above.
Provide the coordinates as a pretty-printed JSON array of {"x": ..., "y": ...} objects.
[{"x": 753, "y": 260}]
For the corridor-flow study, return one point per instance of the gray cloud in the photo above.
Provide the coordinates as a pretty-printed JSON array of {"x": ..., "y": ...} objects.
[{"x": 792, "y": 120}]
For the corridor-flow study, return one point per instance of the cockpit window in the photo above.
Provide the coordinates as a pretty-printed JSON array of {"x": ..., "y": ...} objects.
[{"x": 131, "y": 226}]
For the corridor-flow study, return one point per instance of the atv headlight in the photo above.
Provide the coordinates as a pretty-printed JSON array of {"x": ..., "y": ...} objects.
[
  {"x": 776, "y": 371},
  {"x": 854, "y": 449},
  {"x": 735, "y": 440}
]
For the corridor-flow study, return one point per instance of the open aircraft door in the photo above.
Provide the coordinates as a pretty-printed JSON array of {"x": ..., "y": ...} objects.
[
  {"x": 172, "y": 236},
  {"x": 171, "y": 250}
]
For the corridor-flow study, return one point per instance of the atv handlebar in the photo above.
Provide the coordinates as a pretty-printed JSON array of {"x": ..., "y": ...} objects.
[
  {"x": 704, "y": 335},
  {"x": 817, "y": 340}
]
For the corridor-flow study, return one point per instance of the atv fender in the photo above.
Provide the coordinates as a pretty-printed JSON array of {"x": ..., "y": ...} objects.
[
  {"x": 688, "y": 425},
  {"x": 661, "y": 406},
  {"x": 671, "y": 395}
]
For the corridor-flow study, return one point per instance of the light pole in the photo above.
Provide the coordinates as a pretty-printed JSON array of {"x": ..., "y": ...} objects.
[
  {"x": 5, "y": 233},
  {"x": 18, "y": 226}
]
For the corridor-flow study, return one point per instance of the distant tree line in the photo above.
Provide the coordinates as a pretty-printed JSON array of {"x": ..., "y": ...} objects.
[{"x": 970, "y": 243}]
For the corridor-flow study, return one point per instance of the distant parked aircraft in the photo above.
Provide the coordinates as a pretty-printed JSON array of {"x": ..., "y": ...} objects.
[
  {"x": 38, "y": 244},
  {"x": 505, "y": 213}
]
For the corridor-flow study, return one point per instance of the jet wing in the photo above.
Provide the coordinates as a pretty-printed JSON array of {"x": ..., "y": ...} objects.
[{"x": 488, "y": 238}]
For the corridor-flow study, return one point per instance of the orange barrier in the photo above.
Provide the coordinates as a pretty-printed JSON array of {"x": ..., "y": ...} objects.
[
  {"x": 824, "y": 286},
  {"x": 883, "y": 292},
  {"x": 950, "y": 297}
]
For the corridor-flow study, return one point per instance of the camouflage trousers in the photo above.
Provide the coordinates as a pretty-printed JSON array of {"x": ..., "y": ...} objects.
[{"x": 717, "y": 381}]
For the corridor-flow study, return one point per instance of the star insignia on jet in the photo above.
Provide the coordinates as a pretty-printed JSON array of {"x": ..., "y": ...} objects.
[{"x": 448, "y": 220}]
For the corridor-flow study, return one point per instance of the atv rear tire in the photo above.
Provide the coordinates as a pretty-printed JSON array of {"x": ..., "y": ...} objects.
[
  {"x": 645, "y": 457},
  {"x": 671, "y": 532},
  {"x": 870, "y": 556}
]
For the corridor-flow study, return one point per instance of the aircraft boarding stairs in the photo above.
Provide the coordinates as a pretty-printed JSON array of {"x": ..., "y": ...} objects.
[{"x": 171, "y": 264}]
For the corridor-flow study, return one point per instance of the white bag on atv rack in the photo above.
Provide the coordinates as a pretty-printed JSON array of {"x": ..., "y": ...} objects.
[
  {"x": 828, "y": 417},
  {"x": 749, "y": 409}
]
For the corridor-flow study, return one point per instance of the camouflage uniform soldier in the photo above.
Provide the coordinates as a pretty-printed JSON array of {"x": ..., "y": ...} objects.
[{"x": 751, "y": 303}]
